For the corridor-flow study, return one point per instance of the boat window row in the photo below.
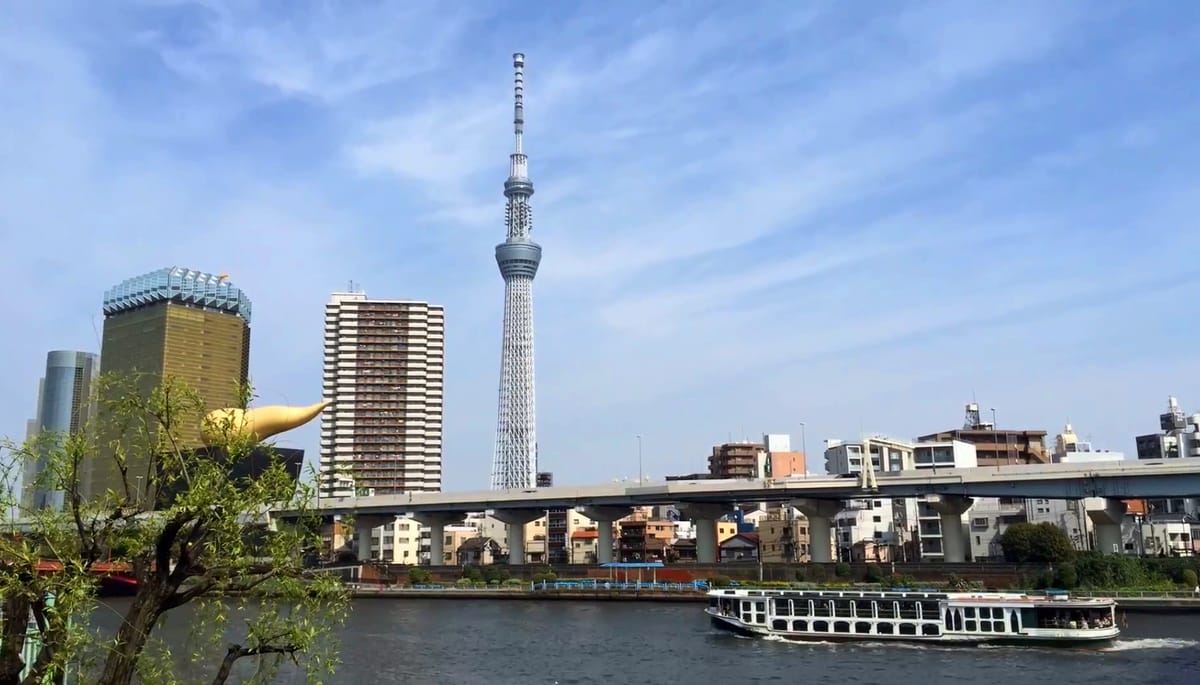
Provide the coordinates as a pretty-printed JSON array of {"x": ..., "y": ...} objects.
[
  {"x": 980, "y": 620},
  {"x": 1071, "y": 618},
  {"x": 858, "y": 627},
  {"x": 856, "y": 608},
  {"x": 983, "y": 612}
]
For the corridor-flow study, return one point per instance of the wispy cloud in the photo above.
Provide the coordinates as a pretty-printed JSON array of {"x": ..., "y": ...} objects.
[{"x": 821, "y": 213}]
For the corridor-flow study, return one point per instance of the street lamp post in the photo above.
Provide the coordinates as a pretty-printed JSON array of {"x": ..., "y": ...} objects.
[
  {"x": 995, "y": 439},
  {"x": 639, "y": 439},
  {"x": 804, "y": 448}
]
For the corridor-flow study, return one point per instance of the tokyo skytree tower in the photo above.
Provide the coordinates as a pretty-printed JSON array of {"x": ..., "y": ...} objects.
[{"x": 515, "y": 462}]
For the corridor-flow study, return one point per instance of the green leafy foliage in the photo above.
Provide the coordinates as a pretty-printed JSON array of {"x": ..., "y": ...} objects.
[
  {"x": 1189, "y": 578},
  {"x": 898, "y": 580},
  {"x": 1091, "y": 571},
  {"x": 494, "y": 575},
  {"x": 1036, "y": 542},
  {"x": 1066, "y": 577},
  {"x": 191, "y": 535},
  {"x": 419, "y": 576},
  {"x": 720, "y": 581}
]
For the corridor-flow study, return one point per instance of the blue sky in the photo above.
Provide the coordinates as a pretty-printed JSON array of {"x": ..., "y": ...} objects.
[{"x": 847, "y": 215}]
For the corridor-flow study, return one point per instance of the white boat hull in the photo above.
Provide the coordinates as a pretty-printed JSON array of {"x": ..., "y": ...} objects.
[
  {"x": 915, "y": 617},
  {"x": 1049, "y": 638}
]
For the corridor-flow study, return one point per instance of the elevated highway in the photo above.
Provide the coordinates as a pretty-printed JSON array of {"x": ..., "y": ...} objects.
[{"x": 949, "y": 491}]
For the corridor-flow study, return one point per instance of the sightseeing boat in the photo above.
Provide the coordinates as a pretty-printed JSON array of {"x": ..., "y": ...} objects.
[{"x": 971, "y": 618}]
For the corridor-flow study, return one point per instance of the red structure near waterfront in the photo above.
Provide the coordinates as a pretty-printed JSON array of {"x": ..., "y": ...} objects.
[{"x": 116, "y": 580}]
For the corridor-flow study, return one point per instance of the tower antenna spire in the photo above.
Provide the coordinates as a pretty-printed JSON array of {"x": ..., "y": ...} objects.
[{"x": 518, "y": 99}]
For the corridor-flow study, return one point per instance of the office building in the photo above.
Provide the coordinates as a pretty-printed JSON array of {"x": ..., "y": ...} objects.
[
  {"x": 65, "y": 404},
  {"x": 737, "y": 460},
  {"x": 995, "y": 447},
  {"x": 384, "y": 372},
  {"x": 782, "y": 461},
  {"x": 175, "y": 323},
  {"x": 1179, "y": 439}
]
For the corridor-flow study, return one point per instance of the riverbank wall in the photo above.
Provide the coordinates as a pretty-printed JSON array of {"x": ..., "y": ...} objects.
[
  {"x": 1142, "y": 603},
  {"x": 989, "y": 574}
]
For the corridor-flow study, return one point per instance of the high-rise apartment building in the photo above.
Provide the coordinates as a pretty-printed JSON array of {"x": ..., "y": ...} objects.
[
  {"x": 384, "y": 375},
  {"x": 175, "y": 323},
  {"x": 64, "y": 406}
]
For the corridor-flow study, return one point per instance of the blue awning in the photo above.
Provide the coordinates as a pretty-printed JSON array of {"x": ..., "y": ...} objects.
[{"x": 632, "y": 564}]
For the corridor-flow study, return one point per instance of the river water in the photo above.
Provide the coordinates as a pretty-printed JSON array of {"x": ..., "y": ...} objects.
[{"x": 501, "y": 642}]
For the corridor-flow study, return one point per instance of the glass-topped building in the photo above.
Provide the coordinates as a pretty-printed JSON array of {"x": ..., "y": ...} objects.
[
  {"x": 64, "y": 406},
  {"x": 182, "y": 323}
]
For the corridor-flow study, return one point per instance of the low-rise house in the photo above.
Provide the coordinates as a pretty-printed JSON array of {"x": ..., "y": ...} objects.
[
  {"x": 740, "y": 547},
  {"x": 480, "y": 552}
]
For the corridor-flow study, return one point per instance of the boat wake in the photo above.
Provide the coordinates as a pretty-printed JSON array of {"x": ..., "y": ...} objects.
[{"x": 1151, "y": 643}]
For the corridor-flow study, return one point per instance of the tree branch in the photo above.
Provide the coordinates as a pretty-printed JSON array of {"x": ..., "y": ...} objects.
[
  {"x": 166, "y": 540},
  {"x": 180, "y": 598},
  {"x": 236, "y": 652}
]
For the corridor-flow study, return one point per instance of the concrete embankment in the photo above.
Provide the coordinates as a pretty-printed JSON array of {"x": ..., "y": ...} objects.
[
  {"x": 1134, "y": 604},
  {"x": 538, "y": 596},
  {"x": 1159, "y": 604}
]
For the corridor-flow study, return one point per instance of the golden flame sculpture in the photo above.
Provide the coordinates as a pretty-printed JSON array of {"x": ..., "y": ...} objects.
[{"x": 258, "y": 423}]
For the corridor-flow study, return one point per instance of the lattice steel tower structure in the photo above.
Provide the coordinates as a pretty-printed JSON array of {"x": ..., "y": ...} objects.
[{"x": 515, "y": 462}]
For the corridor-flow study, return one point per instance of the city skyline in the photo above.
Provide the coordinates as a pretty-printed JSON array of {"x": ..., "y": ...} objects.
[{"x": 851, "y": 221}]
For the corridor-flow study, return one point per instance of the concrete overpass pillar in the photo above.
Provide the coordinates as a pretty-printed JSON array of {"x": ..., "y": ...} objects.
[
  {"x": 364, "y": 526},
  {"x": 437, "y": 534},
  {"x": 705, "y": 516},
  {"x": 516, "y": 519},
  {"x": 1106, "y": 515},
  {"x": 604, "y": 518},
  {"x": 820, "y": 513},
  {"x": 950, "y": 509}
]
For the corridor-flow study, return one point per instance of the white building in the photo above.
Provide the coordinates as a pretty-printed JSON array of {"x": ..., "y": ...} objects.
[
  {"x": 872, "y": 529},
  {"x": 398, "y": 542},
  {"x": 1163, "y": 535},
  {"x": 1069, "y": 449},
  {"x": 877, "y": 530},
  {"x": 886, "y": 455},
  {"x": 383, "y": 374},
  {"x": 951, "y": 454}
]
